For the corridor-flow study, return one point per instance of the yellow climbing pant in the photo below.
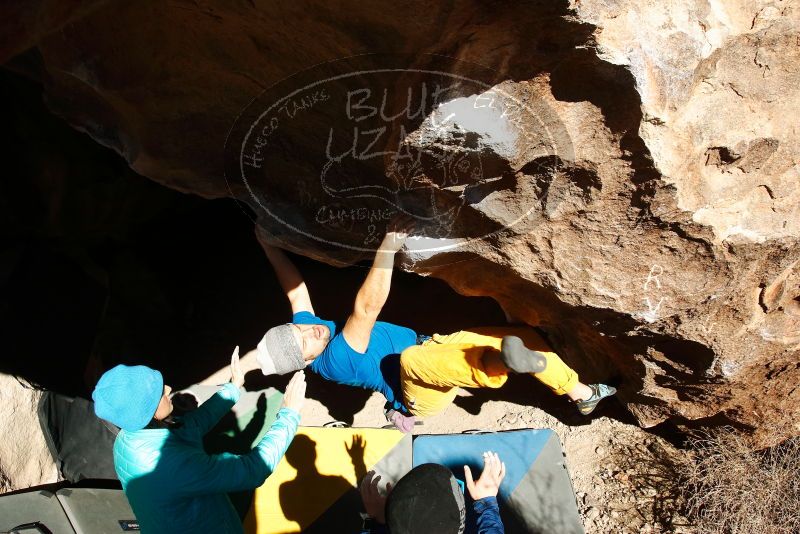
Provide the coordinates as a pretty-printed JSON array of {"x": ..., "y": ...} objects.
[{"x": 431, "y": 373}]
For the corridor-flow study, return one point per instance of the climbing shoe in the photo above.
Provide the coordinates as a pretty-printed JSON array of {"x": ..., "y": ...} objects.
[
  {"x": 599, "y": 392},
  {"x": 520, "y": 359}
]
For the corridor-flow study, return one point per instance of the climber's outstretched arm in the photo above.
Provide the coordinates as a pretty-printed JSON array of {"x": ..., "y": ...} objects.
[
  {"x": 375, "y": 289},
  {"x": 290, "y": 279}
]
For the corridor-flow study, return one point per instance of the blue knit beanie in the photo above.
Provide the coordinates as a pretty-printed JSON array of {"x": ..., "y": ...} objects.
[{"x": 128, "y": 396}]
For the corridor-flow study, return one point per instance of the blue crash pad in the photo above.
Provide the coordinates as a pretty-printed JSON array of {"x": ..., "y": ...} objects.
[{"x": 536, "y": 494}]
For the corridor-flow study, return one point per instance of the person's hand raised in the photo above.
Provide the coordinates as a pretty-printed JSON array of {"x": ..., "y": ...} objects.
[
  {"x": 237, "y": 376},
  {"x": 493, "y": 473},
  {"x": 397, "y": 231},
  {"x": 374, "y": 502},
  {"x": 295, "y": 395}
]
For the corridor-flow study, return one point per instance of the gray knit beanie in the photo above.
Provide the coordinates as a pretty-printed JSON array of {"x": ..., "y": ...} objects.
[{"x": 278, "y": 351}]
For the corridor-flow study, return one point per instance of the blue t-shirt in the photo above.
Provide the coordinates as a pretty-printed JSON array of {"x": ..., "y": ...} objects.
[{"x": 378, "y": 369}]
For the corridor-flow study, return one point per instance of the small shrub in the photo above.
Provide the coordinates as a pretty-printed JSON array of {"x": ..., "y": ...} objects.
[{"x": 733, "y": 489}]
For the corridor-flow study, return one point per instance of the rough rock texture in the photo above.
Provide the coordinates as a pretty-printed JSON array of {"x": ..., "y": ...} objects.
[
  {"x": 25, "y": 22},
  {"x": 624, "y": 174},
  {"x": 25, "y": 460}
]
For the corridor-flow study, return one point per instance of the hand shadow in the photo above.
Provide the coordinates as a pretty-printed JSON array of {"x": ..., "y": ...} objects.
[
  {"x": 310, "y": 486},
  {"x": 356, "y": 452}
]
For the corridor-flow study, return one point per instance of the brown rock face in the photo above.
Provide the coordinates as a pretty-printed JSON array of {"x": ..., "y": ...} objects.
[
  {"x": 627, "y": 179},
  {"x": 25, "y": 22}
]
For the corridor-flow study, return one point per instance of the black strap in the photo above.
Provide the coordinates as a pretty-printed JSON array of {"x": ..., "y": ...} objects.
[{"x": 40, "y": 527}]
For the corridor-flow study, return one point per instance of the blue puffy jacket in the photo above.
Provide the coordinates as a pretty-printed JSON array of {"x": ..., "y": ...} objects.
[{"x": 172, "y": 484}]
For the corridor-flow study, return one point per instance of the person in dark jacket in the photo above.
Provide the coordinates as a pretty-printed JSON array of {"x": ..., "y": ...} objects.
[
  {"x": 429, "y": 499},
  {"x": 172, "y": 484}
]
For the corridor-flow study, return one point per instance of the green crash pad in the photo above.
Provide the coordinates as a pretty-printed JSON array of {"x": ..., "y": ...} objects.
[
  {"x": 41, "y": 506},
  {"x": 97, "y": 511}
]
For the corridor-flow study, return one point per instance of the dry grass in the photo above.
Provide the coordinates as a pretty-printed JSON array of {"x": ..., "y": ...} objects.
[{"x": 732, "y": 489}]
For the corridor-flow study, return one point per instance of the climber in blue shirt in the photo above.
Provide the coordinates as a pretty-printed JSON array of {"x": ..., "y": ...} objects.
[
  {"x": 418, "y": 375},
  {"x": 361, "y": 351},
  {"x": 338, "y": 359}
]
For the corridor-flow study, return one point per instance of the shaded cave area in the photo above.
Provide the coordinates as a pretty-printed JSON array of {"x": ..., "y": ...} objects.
[{"x": 103, "y": 266}]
